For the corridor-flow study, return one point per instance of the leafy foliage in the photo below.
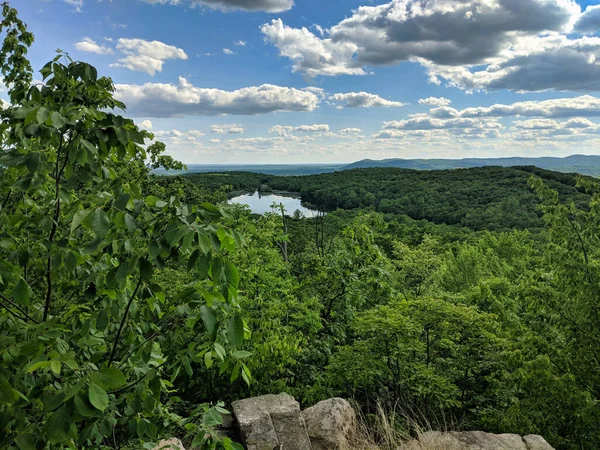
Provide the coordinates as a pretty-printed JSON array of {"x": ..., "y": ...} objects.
[{"x": 84, "y": 323}]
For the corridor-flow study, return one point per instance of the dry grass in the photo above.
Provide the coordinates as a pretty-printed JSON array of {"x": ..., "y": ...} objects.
[{"x": 394, "y": 429}]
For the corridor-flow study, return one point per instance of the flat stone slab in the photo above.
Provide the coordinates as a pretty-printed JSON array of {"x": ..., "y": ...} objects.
[{"x": 478, "y": 440}]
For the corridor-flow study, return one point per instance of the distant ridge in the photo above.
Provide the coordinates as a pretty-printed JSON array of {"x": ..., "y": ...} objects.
[{"x": 583, "y": 164}]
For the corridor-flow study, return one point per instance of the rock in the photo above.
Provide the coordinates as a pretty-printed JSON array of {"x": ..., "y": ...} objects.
[
  {"x": 535, "y": 442},
  {"x": 478, "y": 440},
  {"x": 170, "y": 444},
  {"x": 331, "y": 424},
  {"x": 271, "y": 422}
]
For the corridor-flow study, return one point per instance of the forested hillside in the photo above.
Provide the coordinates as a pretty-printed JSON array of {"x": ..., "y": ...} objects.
[
  {"x": 486, "y": 198},
  {"x": 582, "y": 164},
  {"x": 136, "y": 307}
]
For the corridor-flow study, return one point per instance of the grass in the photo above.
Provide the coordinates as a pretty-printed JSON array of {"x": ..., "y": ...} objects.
[{"x": 395, "y": 429}]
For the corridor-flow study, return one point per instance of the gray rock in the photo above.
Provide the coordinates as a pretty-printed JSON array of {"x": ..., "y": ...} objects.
[
  {"x": 331, "y": 424},
  {"x": 169, "y": 444},
  {"x": 535, "y": 442},
  {"x": 271, "y": 422},
  {"x": 478, "y": 440}
]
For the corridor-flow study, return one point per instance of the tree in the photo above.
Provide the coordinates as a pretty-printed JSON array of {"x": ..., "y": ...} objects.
[{"x": 83, "y": 321}]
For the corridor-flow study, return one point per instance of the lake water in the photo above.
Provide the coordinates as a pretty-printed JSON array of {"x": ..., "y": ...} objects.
[{"x": 261, "y": 203}]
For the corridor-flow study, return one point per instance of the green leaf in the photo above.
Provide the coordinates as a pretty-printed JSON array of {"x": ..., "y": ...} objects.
[
  {"x": 102, "y": 320},
  {"x": 70, "y": 261},
  {"x": 232, "y": 274},
  {"x": 199, "y": 439},
  {"x": 42, "y": 115},
  {"x": 121, "y": 202},
  {"x": 58, "y": 425},
  {"x": 208, "y": 360},
  {"x": 26, "y": 442},
  {"x": 57, "y": 120},
  {"x": 97, "y": 396},
  {"x": 83, "y": 407},
  {"x": 22, "y": 292},
  {"x": 90, "y": 147},
  {"x": 242, "y": 354},
  {"x": 151, "y": 200},
  {"x": 100, "y": 223},
  {"x": 208, "y": 318},
  {"x": 110, "y": 378},
  {"x": 130, "y": 224},
  {"x": 56, "y": 366},
  {"x": 78, "y": 218},
  {"x": 32, "y": 161},
  {"x": 7, "y": 393},
  {"x": 235, "y": 331}
]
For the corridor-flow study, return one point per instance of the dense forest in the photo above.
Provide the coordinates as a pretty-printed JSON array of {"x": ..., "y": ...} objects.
[
  {"x": 486, "y": 198},
  {"x": 135, "y": 307}
]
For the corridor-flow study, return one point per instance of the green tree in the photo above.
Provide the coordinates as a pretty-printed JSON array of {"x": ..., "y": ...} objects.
[{"x": 83, "y": 322}]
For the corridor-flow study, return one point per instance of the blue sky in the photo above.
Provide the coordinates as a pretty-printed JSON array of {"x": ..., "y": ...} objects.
[{"x": 283, "y": 81}]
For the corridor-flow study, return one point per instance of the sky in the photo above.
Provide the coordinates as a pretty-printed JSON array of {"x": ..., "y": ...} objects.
[{"x": 334, "y": 81}]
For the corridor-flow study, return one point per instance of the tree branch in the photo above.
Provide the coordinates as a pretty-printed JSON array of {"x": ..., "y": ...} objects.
[
  {"x": 14, "y": 305},
  {"x": 125, "y": 314}
]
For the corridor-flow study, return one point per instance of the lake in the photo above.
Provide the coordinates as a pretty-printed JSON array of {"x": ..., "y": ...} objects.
[{"x": 261, "y": 203}]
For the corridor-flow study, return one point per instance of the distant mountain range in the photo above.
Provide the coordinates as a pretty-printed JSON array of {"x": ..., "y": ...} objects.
[{"x": 583, "y": 164}]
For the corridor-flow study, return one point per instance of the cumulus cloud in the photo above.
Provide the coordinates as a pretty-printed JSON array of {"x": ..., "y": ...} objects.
[
  {"x": 432, "y": 123},
  {"x": 215, "y": 141},
  {"x": 363, "y": 100},
  {"x": 435, "y": 101},
  {"x": 240, "y": 43},
  {"x": 544, "y": 129},
  {"x": 350, "y": 131},
  {"x": 589, "y": 21},
  {"x": 227, "y": 129},
  {"x": 90, "y": 46},
  {"x": 287, "y": 130},
  {"x": 312, "y": 55},
  {"x": 172, "y": 100},
  {"x": 146, "y": 56},
  {"x": 145, "y": 124},
  {"x": 533, "y": 64},
  {"x": 585, "y": 105},
  {"x": 228, "y": 51},
  {"x": 271, "y": 6},
  {"x": 521, "y": 45}
]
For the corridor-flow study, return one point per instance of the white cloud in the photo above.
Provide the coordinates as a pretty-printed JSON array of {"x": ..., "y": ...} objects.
[
  {"x": 363, "y": 100},
  {"x": 146, "y": 56},
  {"x": 585, "y": 105},
  {"x": 229, "y": 129},
  {"x": 145, "y": 124},
  {"x": 90, "y": 46},
  {"x": 228, "y": 51},
  {"x": 310, "y": 54},
  {"x": 77, "y": 4},
  {"x": 240, "y": 43},
  {"x": 521, "y": 45},
  {"x": 287, "y": 130},
  {"x": 546, "y": 129},
  {"x": 589, "y": 21},
  {"x": 215, "y": 141},
  {"x": 272, "y": 6},
  {"x": 432, "y": 123},
  {"x": 170, "y": 100},
  {"x": 532, "y": 64},
  {"x": 350, "y": 131},
  {"x": 435, "y": 101}
]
